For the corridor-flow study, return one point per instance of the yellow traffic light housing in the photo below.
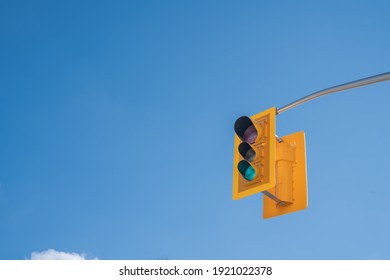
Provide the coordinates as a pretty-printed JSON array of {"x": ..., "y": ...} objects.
[
  {"x": 254, "y": 154},
  {"x": 290, "y": 192},
  {"x": 269, "y": 164},
  {"x": 277, "y": 168}
]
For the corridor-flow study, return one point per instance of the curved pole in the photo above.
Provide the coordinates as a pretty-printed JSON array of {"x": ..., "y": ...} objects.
[{"x": 357, "y": 83}]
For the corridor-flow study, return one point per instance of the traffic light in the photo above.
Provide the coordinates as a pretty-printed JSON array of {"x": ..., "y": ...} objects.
[
  {"x": 254, "y": 154},
  {"x": 275, "y": 166}
]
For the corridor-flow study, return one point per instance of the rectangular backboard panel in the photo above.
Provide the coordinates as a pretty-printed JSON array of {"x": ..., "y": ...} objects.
[{"x": 299, "y": 180}]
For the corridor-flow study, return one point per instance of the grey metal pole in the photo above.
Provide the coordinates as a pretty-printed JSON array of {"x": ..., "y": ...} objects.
[{"x": 353, "y": 84}]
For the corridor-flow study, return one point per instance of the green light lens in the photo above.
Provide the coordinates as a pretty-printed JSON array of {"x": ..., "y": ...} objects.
[
  {"x": 250, "y": 173},
  {"x": 246, "y": 170}
]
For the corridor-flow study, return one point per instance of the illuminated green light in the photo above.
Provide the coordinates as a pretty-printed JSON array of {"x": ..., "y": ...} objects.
[
  {"x": 246, "y": 170},
  {"x": 250, "y": 173}
]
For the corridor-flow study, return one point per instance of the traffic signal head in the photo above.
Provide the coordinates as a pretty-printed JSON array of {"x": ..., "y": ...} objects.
[
  {"x": 247, "y": 132},
  {"x": 254, "y": 154},
  {"x": 275, "y": 168}
]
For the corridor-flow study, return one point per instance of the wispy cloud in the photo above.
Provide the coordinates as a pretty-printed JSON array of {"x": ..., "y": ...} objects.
[{"x": 56, "y": 255}]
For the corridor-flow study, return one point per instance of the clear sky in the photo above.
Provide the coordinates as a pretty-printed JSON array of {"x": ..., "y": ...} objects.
[{"x": 116, "y": 125}]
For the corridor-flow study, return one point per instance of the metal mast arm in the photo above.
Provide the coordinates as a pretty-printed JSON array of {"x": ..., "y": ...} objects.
[{"x": 357, "y": 83}]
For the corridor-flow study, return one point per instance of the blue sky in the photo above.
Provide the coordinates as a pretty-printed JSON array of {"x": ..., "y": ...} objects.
[{"x": 116, "y": 121}]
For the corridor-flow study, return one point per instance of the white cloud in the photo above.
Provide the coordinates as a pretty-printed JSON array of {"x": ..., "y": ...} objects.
[{"x": 56, "y": 255}]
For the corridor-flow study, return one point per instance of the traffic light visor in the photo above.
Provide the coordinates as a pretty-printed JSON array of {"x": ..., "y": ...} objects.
[
  {"x": 245, "y": 129},
  {"x": 247, "y": 152}
]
